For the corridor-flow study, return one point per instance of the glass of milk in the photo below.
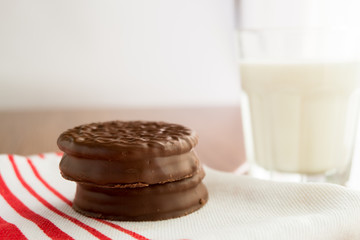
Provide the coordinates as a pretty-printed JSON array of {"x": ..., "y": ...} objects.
[{"x": 300, "y": 101}]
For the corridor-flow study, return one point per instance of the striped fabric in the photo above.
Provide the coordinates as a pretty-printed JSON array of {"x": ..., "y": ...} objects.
[{"x": 35, "y": 203}]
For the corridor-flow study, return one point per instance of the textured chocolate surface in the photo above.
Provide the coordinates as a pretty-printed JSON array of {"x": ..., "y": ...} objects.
[
  {"x": 156, "y": 202},
  {"x": 133, "y": 173},
  {"x": 118, "y": 140}
]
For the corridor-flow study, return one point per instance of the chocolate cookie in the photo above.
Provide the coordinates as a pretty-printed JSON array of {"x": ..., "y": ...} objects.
[
  {"x": 156, "y": 202},
  {"x": 137, "y": 153},
  {"x": 130, "y": 172},
  {"x": 118, "y": 140},
  {"x": 133, "y": 170}
]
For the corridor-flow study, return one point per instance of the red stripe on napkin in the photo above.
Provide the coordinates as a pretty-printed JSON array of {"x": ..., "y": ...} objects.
[
  {"x": 10, "y": 231},
  {"x": 44, "y": 224},
  {"x": 131, "y": 233},
  {"x": 91, "y": 230},
  {"x": 67, "y": 201},
  {"x": 50, "y": 188}
]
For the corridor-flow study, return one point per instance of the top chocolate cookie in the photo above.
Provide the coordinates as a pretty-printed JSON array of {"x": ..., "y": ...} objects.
[{"x": 118, "y": 140}]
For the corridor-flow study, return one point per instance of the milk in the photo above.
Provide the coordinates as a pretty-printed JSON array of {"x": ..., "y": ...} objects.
[{"x": 302, "y": 116}]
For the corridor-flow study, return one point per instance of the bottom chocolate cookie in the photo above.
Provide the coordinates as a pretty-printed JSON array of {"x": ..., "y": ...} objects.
[{"x": 156, "y": 202}]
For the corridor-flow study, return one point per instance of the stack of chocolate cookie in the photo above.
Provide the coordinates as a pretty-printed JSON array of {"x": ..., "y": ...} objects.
[{"x": 133, "y": 170}]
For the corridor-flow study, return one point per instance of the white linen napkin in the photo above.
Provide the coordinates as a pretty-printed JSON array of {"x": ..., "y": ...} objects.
[{"x": 36, "y": 204}]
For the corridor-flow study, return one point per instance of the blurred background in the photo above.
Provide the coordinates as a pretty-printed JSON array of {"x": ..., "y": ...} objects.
[
  {"x": 90, "y": 53},
  {"x": 86, "y": 53},
  {"x": 57, "y": 57}
]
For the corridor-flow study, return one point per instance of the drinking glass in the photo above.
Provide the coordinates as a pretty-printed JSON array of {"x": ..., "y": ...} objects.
[{"x": 300, "y": 91}]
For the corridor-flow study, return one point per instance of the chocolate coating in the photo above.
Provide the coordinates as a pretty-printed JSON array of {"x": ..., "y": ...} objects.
[
  {"x": 118, "y": 140},
  {"x": 131, "y": 173},
  {"x": 155, "y": 202}
]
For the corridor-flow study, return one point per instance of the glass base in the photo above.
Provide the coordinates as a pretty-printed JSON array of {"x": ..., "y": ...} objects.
[{"x": 333, "y": 176}]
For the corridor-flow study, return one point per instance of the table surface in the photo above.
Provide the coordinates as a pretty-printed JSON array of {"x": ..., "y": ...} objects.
[{"x": 220, "y": 144}]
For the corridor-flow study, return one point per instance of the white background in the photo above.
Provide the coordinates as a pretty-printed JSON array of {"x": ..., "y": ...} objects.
[
  {"x": 115, "y": 53},
  {"x": 86, "y": 53}
]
